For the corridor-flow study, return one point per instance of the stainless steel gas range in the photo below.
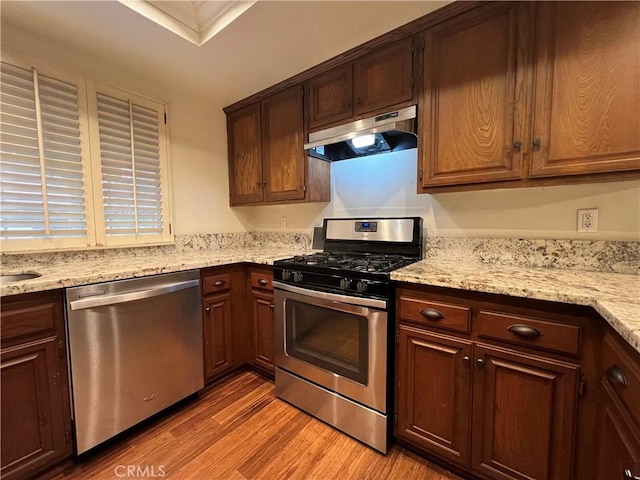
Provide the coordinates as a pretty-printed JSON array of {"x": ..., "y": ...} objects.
[{"x": 334, "y": 324}]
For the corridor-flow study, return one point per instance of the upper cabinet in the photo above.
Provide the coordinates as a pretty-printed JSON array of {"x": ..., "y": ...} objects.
[
  {"x": 509, "y": 94},
  {"x": 472, "y": 117},
  {"x": 586, "y": 106},
  {"x": 245, "y": 155},
  {"x": 330, "y": 96},
  {"x": 267, "y": 162},
  {"x": 382, "y": 79},
  {"x": 518, "y": 92}
]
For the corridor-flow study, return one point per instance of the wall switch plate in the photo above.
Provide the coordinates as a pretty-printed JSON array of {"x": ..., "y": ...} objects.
[
  {"x": 588, "y": 220},
  {"x": 283, "y": 222}
]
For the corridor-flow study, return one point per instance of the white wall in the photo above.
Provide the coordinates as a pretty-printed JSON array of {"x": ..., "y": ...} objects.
[
  {"x": 385, "y": 185},
  {"x": 197, "y": 129}
]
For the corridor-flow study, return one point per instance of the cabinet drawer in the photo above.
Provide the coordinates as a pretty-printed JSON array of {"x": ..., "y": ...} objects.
[
  {"x": 530, "y": 332},
  {"x": 216, "y": 283},
  {"x": 435, "y": 314},
  {"x": 31, "y": 314},
  {"x": 622, "y": 373},
  {"x": 262, "y": 280}
]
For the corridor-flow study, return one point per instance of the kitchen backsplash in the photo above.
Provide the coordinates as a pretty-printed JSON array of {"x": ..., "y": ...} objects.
[
  {"x": 183, "y": 243},
  {"x": 591, "y": 255}
]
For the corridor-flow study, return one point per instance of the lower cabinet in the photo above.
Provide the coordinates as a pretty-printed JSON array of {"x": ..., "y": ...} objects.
[
  {"x": 222, "y": 295},
  {"x": 523, "y": 414},
  {"x": 261, "y": 287},
  {"x": 217, "y": 334},
  {"x": 35, "y": 410},
  {"x": 434, "y": 398},
  {"x": 494, "y": 410},
  {"x": 618, "y": 431},
  {"x": 619, "y": 439}
]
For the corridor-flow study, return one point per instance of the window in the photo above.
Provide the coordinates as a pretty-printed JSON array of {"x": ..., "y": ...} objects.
[
  {"x": 129, "y": 133},
  {"x": 79, "y": 169}
]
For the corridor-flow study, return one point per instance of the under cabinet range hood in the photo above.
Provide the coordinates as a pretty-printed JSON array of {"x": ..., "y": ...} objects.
[{"x": 387, "y": 132}]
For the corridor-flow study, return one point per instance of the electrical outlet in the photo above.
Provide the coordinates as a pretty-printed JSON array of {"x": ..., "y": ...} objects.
[
  {"x": 588, "y": 220},
  {"x": 283, "y": 222}
]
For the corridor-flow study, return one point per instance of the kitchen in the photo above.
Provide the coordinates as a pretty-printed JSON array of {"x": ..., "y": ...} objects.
[{"x": 540, "y": 219}]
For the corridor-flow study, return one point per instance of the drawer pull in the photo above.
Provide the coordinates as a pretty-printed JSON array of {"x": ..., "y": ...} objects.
[
  {"x": 524, "y": 330},
  {"x": 628, "y": 475},
  {"x": 263, "y": 282},
  {"x": 219, "y": 283},
  {"x": 616, "y": 374},
  {"x": 432, "y": 314}
]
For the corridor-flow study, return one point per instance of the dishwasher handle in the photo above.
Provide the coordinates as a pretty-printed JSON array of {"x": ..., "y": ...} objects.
[{"x": 104, "y": 300}]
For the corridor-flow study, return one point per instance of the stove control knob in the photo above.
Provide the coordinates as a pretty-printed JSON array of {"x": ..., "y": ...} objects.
[
  {"x": 361, "y": 286},
  {"x": 286, "y": 275},
  {"x": 345, "y": 283},
  {"x": 297, "y": 276}
]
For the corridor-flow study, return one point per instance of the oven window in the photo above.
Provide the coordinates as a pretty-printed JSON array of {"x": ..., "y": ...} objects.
[{"x": 332, "y": 340}]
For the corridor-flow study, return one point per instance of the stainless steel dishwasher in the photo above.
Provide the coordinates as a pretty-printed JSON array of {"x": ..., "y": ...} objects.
[{"x": 135, "y": 348}]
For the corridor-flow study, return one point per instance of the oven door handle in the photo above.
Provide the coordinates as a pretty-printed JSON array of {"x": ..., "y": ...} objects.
[{"x": 363, "y": 302}]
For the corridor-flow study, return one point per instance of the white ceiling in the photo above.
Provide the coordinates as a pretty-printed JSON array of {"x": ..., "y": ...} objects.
[{"x": 270, "y": 42}]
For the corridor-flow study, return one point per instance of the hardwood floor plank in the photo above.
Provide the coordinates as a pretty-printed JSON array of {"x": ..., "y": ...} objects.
[{"x": 239, "y": 430}]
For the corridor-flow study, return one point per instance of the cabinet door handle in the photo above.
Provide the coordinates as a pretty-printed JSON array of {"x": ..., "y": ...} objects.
[
  {"x": 628, "y": 475},
  {"x": 208, "y": 309},
  {"x": 480, "y": 362},
  {"x": 466, "y": 359},
  {"x": 263, "y": 282},
  {"x": 358, "y": 101},
  {"x": 272, "y": 306},
  {"x": 524, "y": 330},
  {"x": 616, "y": 374},
  {"x": 259, "y": 182},
  {"x": 536, "y": 142},
  {"x": 264, "y": 182},
  {"x": 432, "y": 314},
  {"x": 517, "y": 145},
  {"x": 219, "y": 283}
]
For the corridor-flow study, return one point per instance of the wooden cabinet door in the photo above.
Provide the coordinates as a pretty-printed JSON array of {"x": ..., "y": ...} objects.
[
  {"x": 523, "y": 415},
  {"x": 618, "y": 438},
  {"x": 434, "y": 393},
  {"x": 36, "y": 420},
  {"x": 283, "y": 140},
  {"x": 263, "y": 330},
  {"x": 383, "y": 78},
  {"x": 217, "y": 335},
  {"x": 245, "y": 155},
  {"x": 473, "y": 108},
  {"x": 587, "y": 90},
  {"x": 330, "y": 96}
]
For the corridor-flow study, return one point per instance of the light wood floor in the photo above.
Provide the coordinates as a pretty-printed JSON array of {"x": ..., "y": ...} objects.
[{"x": 240, "y": 430}]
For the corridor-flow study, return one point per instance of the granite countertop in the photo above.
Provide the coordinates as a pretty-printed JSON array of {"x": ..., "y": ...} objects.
[
  {"x": 60, "y": 275},
  {"x": 615, "y": 296}
]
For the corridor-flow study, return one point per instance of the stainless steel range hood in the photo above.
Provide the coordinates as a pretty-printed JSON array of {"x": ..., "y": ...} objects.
[{"x": 388, "y": 132}]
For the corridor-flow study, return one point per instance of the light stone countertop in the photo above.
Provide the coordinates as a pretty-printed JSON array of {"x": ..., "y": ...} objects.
[
  {"x": 615, "y": 296},
  {"x": 61, "y": 275}
]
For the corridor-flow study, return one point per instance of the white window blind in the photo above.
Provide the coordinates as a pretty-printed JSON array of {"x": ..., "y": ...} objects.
[
  {"x": 132, "y": 168},
  {"x": 81, "y": 164},
  {"x": 42, "y": 194}
]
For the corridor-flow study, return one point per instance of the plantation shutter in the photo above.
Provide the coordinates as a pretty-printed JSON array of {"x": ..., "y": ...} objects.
[
  {"x": 132, "y": 168},
  {"x": 42, "y": 194}
]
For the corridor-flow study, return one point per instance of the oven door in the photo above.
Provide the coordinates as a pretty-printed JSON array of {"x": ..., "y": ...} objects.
[{"x": 336, "y": 341}]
